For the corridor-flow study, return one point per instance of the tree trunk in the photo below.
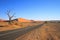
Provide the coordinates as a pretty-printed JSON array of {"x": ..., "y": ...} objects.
[{"x": 9, "y": 20}]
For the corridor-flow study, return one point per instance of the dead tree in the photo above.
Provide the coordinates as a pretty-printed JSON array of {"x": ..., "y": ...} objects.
[{"x": 10, "y": 16}]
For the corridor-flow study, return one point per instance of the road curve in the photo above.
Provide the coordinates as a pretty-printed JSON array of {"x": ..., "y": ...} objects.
[{"x": 13, "y": 34}]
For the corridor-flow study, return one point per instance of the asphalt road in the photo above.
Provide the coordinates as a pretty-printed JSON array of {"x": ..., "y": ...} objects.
[{"x": 13, "y": 34}]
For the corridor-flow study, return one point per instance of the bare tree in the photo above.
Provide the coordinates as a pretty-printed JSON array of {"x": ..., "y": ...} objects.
[{"x": 10, "y": 16}]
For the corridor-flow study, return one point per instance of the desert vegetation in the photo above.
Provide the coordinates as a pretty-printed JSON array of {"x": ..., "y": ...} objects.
[
  {"x": 5, "y": 25},
  {"x": 9, "y": 15}
]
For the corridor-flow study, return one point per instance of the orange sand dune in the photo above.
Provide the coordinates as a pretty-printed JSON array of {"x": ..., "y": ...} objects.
[{"x": 23, "y": 20}]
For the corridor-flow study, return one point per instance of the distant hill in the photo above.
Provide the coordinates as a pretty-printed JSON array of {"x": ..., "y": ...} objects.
[
  {"x": 2, "y": 20},
  {"x": 24, "y": 20}
]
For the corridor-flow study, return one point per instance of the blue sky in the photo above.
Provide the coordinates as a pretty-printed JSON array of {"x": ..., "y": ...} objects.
[{"x": 31, "y": 9}]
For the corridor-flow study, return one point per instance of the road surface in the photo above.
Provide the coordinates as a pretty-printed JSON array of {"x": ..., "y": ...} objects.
[{"x": 13, "y": 34}]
